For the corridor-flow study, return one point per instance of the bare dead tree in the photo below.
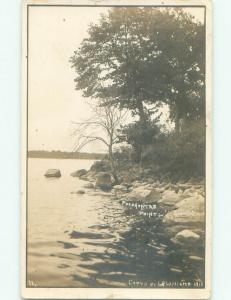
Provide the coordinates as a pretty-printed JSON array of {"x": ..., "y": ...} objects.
[{"x": 102, "y": 126}]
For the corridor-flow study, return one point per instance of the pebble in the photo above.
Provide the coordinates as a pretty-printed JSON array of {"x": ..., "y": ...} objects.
[{"x": 161, "y": 252}]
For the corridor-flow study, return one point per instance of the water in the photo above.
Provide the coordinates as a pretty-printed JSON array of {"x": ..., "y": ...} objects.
[{"x": 91, "y": 240}]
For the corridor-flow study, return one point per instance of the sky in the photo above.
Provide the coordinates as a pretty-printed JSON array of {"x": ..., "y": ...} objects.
[{"x": 53, "y": 103}]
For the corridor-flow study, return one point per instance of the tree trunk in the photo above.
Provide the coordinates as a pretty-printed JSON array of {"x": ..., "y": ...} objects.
[
  {"x": 177, "y": 121},
  {"x": 112, "y": 165},
  {"x": 142, "y": 116},
  {"x": 143, "y": 120}
]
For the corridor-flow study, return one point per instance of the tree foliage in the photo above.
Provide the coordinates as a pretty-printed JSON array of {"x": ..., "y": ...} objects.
[
  {"x": 136, "y": 57},
  {"x": 182, "y": 154},
  {"x": 139, "y": 135}
]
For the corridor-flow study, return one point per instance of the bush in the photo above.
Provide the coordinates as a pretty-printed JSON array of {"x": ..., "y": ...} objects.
[
  {"x": 138, "y": 135},
  {"x": 100, "y": 166},
  {"x": 182, "y": 153},
  {"x": 123, "y": 153}
]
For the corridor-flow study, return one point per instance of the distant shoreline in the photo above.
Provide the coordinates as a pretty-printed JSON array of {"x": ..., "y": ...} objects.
[{"x": 64, "y": 155}]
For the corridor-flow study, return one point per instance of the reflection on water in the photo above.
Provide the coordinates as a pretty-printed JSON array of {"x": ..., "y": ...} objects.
[{"x": 94, "y": 241}]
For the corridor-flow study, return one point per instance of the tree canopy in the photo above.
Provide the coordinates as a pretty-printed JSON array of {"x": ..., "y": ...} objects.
[{"x": 139, "y": 56}]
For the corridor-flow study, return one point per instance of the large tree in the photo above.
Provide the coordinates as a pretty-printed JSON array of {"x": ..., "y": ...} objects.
[{"x": 136, "y": 57}]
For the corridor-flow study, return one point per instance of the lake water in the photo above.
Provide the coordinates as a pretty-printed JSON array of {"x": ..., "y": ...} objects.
[{"x": 91, "y": 240}]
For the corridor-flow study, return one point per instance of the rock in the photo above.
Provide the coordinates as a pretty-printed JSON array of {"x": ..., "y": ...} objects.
[
  {"x": 189, "y": 211},
  {"x": 81, "y": 192},
  {"x": 192, "y": 203},
  {"x": 186, "y": 237},
  {"x": 174, "y": 187},
  {"x": 101, "y": 193},
  {"x": 136, "y": 177},
  {"x": 202, "y": 194},
  {"x": 189, "y": 193},
  {"x": 162, "y": 184},
  {"x": 198, "y": 187},
  {"x": 128, "y": 185},
  {"x": 100, "y": 166},
  {"x": 161, "y": 252},
  {"x": 84, "y": 177},
  {"x": 175, "y": 270},
  {"x": 90, "y": 176},
  {"x": 79, "y": 173},
  {"x": 53, "y": 173},
  {"x": 169, "y": 198},
  {"x": 148, "y": 186},
  {"x": 183, "y": 186},
  {"x": 172, "y": 230},
  {"x": 100, "y": 226},
  {"x": 63, "y": 266},
  {"x": 156, "y": 183},
  {"x": 103, "y": 181},
  {"x": 166, "y": 187},
  {"x": 147, "y": 172},
  {"x": 143, "y": 194},
  {"x": 89, "y": 185},
  {"x": 150, "y": 180},
  {"x": 136, "y": 184},
  {"x": 196, "y": 258},
  {"x": 160, "y": 190},
  {"x": 180, "y": 192},
  {"x": 119, "y": 188},
  {"x": 120, "y": 181},
  {"x": 194, "y": 181}
]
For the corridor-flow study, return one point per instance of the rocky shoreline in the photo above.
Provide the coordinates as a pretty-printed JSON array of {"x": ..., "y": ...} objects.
[{"x": 180, "y": 205}]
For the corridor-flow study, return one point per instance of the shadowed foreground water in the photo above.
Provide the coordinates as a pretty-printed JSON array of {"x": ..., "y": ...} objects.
[{"x": 92, "y": 240}]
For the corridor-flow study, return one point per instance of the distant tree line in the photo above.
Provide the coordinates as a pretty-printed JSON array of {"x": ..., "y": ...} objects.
[{"x": 67, "y": 155}]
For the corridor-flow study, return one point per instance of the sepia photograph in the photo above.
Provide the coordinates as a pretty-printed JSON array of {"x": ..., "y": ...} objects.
[{"x": 116, "y": 149}]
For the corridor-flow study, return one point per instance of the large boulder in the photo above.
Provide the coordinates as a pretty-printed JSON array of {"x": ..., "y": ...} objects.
[
  {"x": 103, "y": 181},
  {"x": 187, "y": 237},
  {"x": 79, "y": 173},
  {"x": 141, "y": 193},
  {"x": 189, "y": 211},
  {"x": 195, "y": 203},
  {"x": 53, "y": 173},
  {"x": 169, "y": 198}
]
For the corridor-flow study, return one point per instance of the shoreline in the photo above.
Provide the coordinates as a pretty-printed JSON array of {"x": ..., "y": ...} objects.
[{"x": 180, "y": 206}]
